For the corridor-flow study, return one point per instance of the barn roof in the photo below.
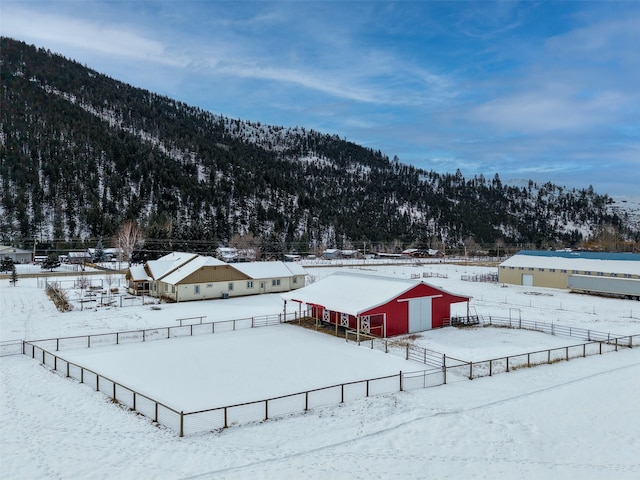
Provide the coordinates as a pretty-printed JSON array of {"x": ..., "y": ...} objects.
[
  {"x": 353, "y": 293},
  {"x": 258, "y": 270},
  {"x": 621, "y": 263}
]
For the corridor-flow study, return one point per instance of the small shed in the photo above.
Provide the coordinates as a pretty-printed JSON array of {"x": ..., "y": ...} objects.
[{"x": 376, "y": 305}]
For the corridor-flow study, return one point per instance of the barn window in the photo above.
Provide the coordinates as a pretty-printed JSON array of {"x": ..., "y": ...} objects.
[
  {"x": 512, "y": 268},
  {"x": 541, "y": 269},
  {"x": 552, "y": 269},
  {"x": 563, "y": 271}
]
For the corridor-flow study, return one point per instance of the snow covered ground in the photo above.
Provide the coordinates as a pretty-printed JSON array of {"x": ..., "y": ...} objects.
[{"x": 578, "y": 419}]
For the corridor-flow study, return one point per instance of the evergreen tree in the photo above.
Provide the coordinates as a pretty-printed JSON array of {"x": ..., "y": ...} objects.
[
  {"x": 6, "y": 264},
  {"x": 98, "y": 254},
  {"x": 50, "y": 263},
  {"x": 14, "y": 275}
]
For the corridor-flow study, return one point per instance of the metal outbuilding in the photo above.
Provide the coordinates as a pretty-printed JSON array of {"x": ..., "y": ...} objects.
[{"x": 552, "y": 269}]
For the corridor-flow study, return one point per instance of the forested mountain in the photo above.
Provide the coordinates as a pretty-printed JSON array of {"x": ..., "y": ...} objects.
[{"x": 80, "y": 153}]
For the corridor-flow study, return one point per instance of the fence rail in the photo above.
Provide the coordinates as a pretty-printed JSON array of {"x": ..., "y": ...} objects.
[
  {"x": 187, "y": 423},
  {"x": 10, "y": 347},
  {"x": 149, "y": 334},
  {"x": 560, "y": 330}
]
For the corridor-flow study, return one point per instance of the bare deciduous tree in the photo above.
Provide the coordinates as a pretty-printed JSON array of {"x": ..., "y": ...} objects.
[{"x": 127, "y": 237}]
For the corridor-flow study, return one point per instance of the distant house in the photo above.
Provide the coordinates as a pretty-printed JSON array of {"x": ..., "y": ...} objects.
[
  {"x": 376, "y": 305},
  {"x": 554, "y": 269},
  {"x": 183, "y": 277},
  {"x": 79, "y": 258},
  {"x": 335, "y": 253},
  {"x": 227, "y": 254},
  {"x": 16, "y": 254}
]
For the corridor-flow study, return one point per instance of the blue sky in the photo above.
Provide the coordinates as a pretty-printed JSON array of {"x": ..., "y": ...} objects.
[{"x": 548, "y": 91}]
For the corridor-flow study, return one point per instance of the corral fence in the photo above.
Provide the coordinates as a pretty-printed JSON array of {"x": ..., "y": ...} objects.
[
  {"x": 10, "y": 347},
  {"x": 185, "y": 329},
  {"x": 484, "y": 277},
  {"x": 596, "y": 343},
  {"x": 189, "y": 423}
]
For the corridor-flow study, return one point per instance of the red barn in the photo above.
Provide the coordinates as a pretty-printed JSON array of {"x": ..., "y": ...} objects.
[{"x": 380, "y": 306}]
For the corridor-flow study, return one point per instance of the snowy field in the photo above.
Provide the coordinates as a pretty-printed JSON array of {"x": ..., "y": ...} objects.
[
  {"x": 209, "y": 371},
  {"x": 572, "y": 420}
]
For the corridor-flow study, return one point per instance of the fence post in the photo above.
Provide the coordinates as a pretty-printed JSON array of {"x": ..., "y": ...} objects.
[
  {"x": 114, "y": 390},
  {"x": 470, "y": 370},
  {"x": 407, "y": 349},
  {"x": 266, "y": 409},
  {"x": 117, "y": 338},
  {"x": 225, "y": 417},
  {"x": 342, "y": 393},
  {"x": 401, "y": 380},
  {"x": 490, "y": 367},
  {"x": 143, "y": 335},
  {"x": 57, "y": 344},
  {"x": 181, "y": 424},
  {"x": 306, "y": 401},
  {"x": 367, "y": 388},
  {"x": 134, "y": 401},
  {"x": 567, "y": 353},
  {"x": 507, "y": 364}
]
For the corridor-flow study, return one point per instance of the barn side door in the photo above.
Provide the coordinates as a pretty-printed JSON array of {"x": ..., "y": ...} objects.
[{"x": 420, "y": 314}]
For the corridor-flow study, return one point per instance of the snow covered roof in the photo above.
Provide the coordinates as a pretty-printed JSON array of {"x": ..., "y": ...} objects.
[
  {"x": 352, "y": 293},
  {"x": 564, "y": 261},
  {"x": 138, "y": 273},
  {"x": 165, "y": 265},
  {"x": 258, "y": 270},
  {"x": 188, "y": 268},
  {"x": 6, "y": 249}
]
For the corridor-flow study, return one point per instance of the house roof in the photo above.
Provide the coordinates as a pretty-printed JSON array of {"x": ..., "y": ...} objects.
[
  {"x": 167, "y": 264},
  {"x": 188, "y": 268},
  {"x": 353, "y": 293},
  {"x": 137, "y": 273},
  {"x": 8, "y": 249},
  {"x": 259, "y": 270},
  {"x": 621, "y": 263}
]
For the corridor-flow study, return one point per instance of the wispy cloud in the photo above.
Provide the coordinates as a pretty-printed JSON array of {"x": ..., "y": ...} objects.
[{"x": 545, "y": 89}]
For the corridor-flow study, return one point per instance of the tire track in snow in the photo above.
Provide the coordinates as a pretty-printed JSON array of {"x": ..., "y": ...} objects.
[{"x": 399, "y": 426}]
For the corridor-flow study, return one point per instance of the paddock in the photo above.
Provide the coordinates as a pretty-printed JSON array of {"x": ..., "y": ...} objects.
[{"x": 209, "y": 371}]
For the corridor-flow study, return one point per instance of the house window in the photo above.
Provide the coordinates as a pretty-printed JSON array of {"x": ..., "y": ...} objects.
[
  {"x": 295, "y": 279},
  {"x": 249, "y": 284},
  {"x": 209, "y": 285},
  {"x": 230, "y": 286},
  {"x": 552, "y": 269},
  {"x": 166, "y": 287},
  {"x": 173, "y": 289},
  {"x": 275, "y": 282},
  {"x": 196, "y": 289}
]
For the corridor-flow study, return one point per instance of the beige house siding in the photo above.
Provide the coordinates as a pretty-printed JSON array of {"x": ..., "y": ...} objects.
[{"x": 184, "y": 291}]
